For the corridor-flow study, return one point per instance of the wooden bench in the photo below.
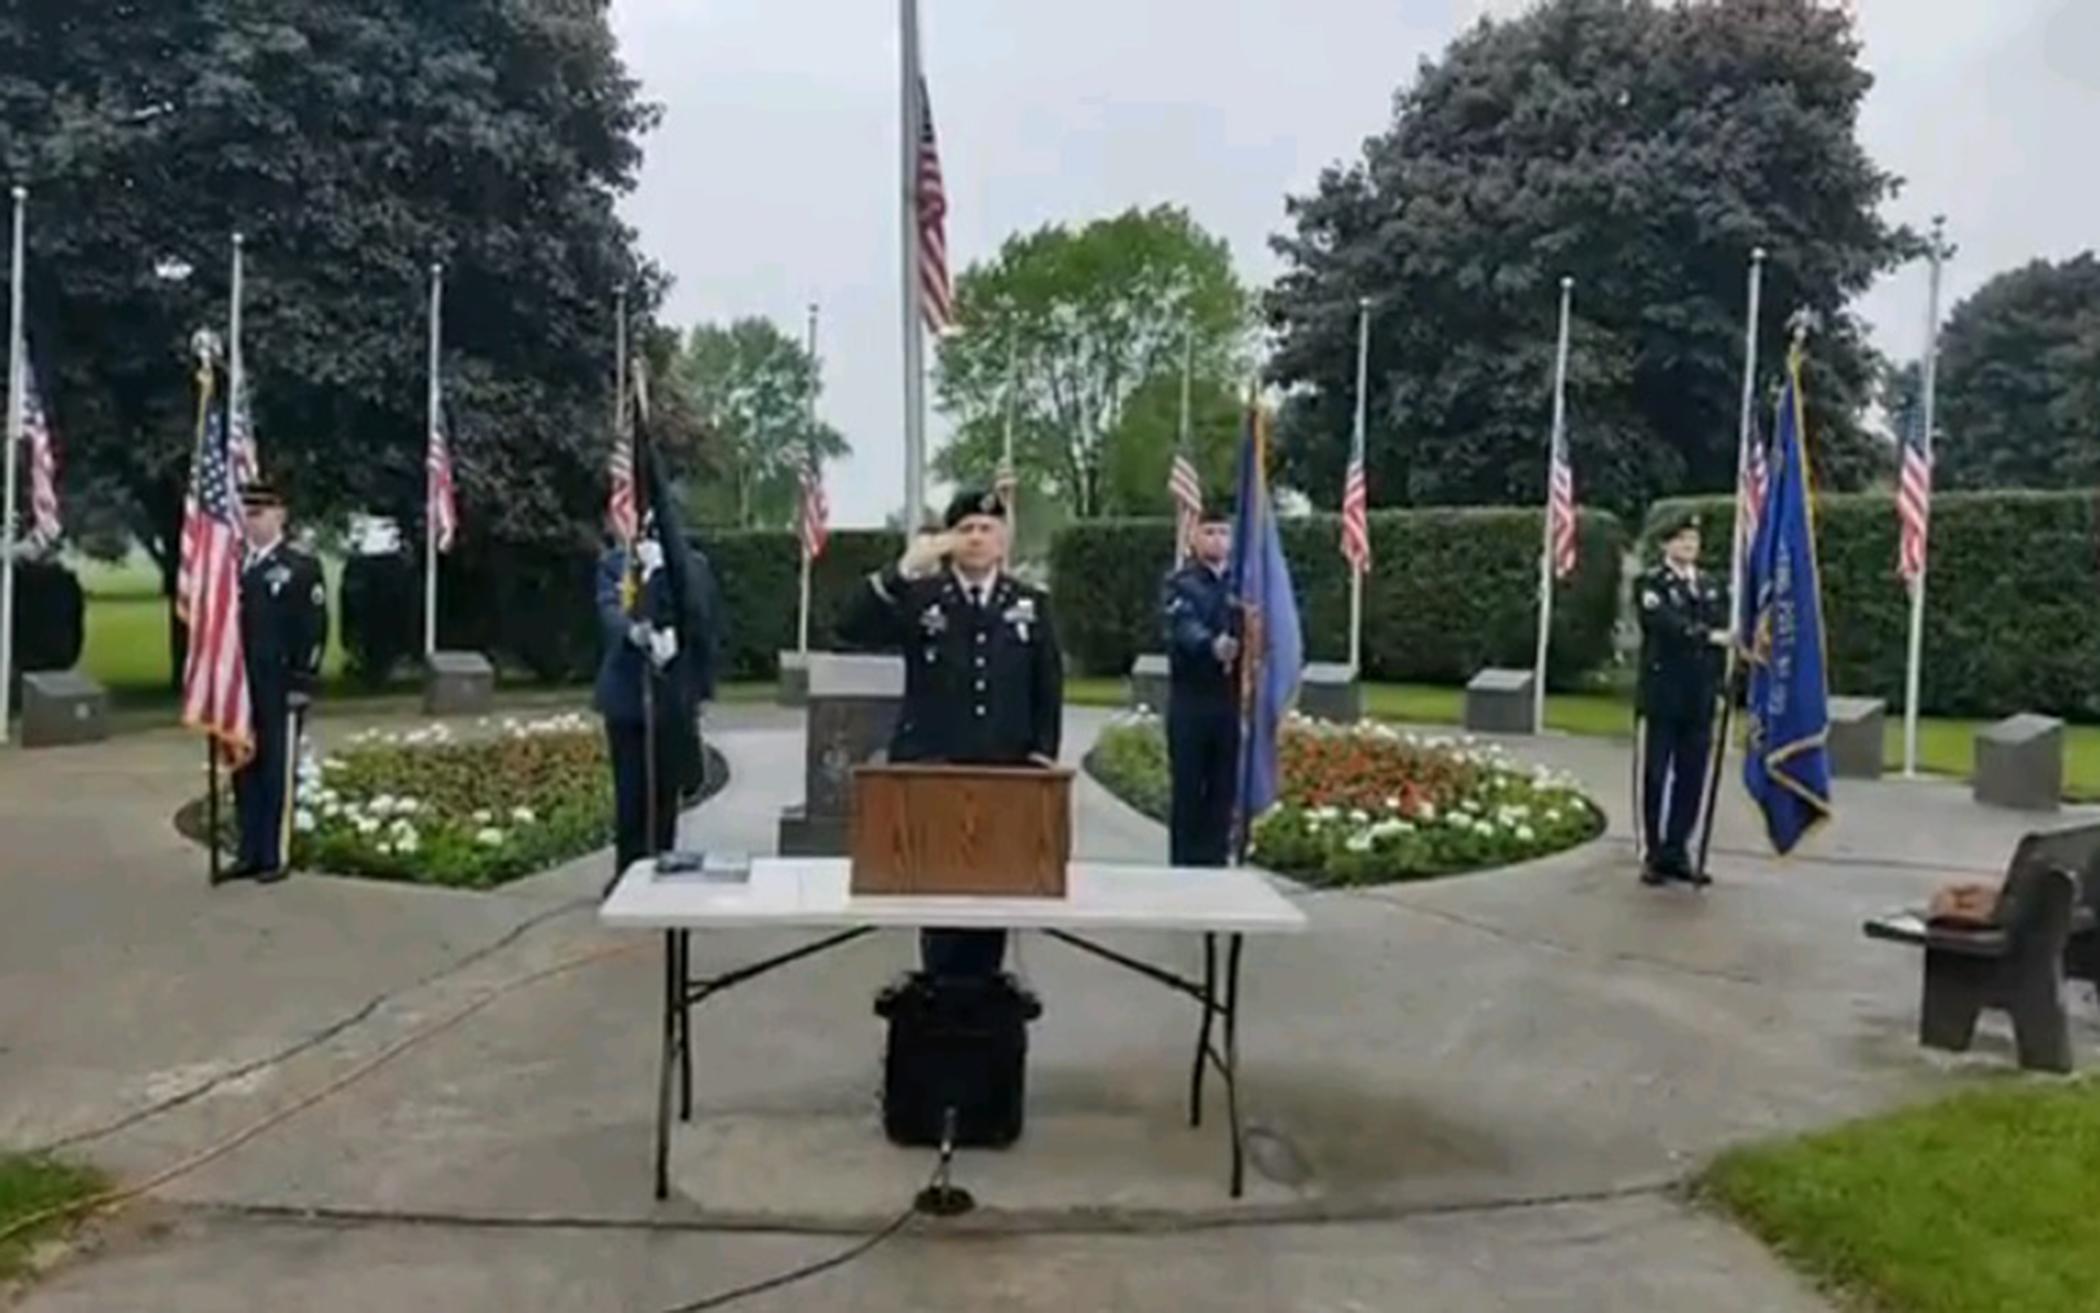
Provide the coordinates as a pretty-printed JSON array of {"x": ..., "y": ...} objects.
[{"x": 2046, "y": 927}]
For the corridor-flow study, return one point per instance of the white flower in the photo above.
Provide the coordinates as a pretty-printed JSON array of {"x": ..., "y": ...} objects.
[
  {"x": 383, "y": 805},
  {"x": 408, "y": 842},
  {"x": 1392, "y": 804},
  {"x": 331, "y": 809},
  {"x": 1524, "y": 834},
  {"x": 386, "y": 848},
  {"x": 522, "y": 815},
  {"x": 489, "y": 837},
  {"x": 1359, "y": 817},
  {"x": 1553, "y": 816},
  {"x": 366, "y": 825},
  {"x": 332, "y": 763},
  {"x": 402, "y": 825},
  {"x": 482, "y": 816},
  {"x": 303, "y": 821},
  {"x": 1483, "y": 827},
  {"x": 1360, "y": 842}
]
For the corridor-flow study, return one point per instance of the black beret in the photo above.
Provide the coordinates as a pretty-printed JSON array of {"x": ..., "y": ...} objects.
[
  {"x": 973, "y": 501},
  {"x": 1221, "y": 511},
  {"x": 1677, "y": 523},
  {"x": 259, "y": 494}
]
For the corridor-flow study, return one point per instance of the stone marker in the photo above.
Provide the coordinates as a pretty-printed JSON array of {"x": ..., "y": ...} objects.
[
  {"x": 852, "y": 709},
  {"x": 1856, "y": 742},
  {"x": 62, "y": 706},
  {"x": 793, "y": 689},
  {"x": 2020, "y": 763},
  {"x": 1331, "y": 691},
  {"x": 1148, "y": 682},
  {"x": 1499, "y": 702},
  {"x": 458, "y": 684}
]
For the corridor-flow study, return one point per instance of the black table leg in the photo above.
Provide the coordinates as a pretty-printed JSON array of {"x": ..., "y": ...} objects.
[
  {"x": 674, "y": 1005},
  {"x": 1232, "y": 1065},
  {"x": 685, "y": 1025},
  {"x": 1209, "y": 1001}
]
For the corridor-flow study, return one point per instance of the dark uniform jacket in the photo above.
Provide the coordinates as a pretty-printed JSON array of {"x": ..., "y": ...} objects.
[
  {"x": 982, "y": 684},
  {"x": 284, "y": 624},
  {"x": 689, "y": 678},
  {"x": 1680, "y": 667},
  {"x": 1197, "y": 606}
]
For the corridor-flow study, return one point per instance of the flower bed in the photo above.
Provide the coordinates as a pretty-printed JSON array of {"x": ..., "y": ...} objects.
[
  {"x": 1369, "y": 804},
  {"x": 426, "y": 806}
]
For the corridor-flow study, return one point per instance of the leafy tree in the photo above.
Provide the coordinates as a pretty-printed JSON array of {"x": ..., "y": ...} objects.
[
  {"x": 1641, "y": 149},
  {"x": 1092, "y": 317},
  {"x": 2019, "y": 381},
  {"x": 750, "y": 386},
  {"x": 353, "y": 143}
]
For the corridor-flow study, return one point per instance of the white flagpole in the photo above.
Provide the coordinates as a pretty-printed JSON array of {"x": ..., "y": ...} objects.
[
  {"x": 1006, "y": 458},
  {"x": 13, "y": 449},
  {"x": 808, "y": 565},
  {"x": 1356, "y": 575},
  {"x": 1188, "y": 369},
  {"x": 1742, "y": 452},
  {"x": 430, "y": 427},
  {"x": 1560, "y": 400},
  {"x": 619, "y": 363},
  {"x": 1915, "y": 658},
  {"x": 914, "y": 341},
  {"x": 236, "y": 369}
]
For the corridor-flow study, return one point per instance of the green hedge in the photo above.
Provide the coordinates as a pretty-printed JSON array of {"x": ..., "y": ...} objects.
[
  {"x": 1450, "y": 591},
  {"x": 760, "y": 576},
  {"x": 49, "y": 620},
  {"x": 2012, "y": 606}
]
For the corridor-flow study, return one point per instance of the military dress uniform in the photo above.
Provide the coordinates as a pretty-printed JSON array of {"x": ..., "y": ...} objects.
[
  {"x": 1680, "y": 674},
  {"x": 1203, "y": 713},
  {"x": 284, "y": 630},
  {"x": 983, "y": 685},
  {"x": 678, "y": 611}
]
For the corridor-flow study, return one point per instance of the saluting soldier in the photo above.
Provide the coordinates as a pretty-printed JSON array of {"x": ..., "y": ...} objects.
[
  {"x": 1202, "y": 621},
  {"x": 284, "y": 629},
  {"x": 1682, "y": 636},
  {"x": 983, "y": 678}
]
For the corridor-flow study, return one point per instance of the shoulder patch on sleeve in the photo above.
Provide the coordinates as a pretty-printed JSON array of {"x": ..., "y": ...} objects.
[
  {"x": 1649, "y": 600},
  {"x": 320, "y": 593}
]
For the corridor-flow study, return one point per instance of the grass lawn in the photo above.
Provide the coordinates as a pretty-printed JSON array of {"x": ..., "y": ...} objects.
[
  {"x": 1986, "y": 1202},
  {"x": 30, "y": 1185},
  {"x": 126, "y": 643}
]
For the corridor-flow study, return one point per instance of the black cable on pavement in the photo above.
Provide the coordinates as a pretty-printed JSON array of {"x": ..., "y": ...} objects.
[{"x": 859, "y": 1249}]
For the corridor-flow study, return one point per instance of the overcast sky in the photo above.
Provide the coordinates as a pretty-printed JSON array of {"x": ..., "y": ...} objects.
[{"x": 772, "y": 181}]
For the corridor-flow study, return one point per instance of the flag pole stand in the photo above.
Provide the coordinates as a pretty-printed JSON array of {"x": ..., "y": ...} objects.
[{"x": 1713, "y": 775}]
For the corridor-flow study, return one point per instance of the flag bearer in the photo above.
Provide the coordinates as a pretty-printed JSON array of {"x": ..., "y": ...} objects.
[
  {"x": 1202, "y": 620},
  {"x": 284, "y": 630},
  {"x": 1682, "y": 638}
]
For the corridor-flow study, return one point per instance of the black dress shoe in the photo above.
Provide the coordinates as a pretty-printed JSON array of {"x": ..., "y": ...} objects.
[
  {"x": 271, "y": 876},
  {"x": 238, "y": 871},
  {"x": 1653, "y": 875}
]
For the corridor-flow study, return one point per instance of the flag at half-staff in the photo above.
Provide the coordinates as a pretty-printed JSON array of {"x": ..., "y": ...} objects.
[
  {"x": 44, "y": 525},
  {"x": 208, "y": 590},
  {"x": 1786, "y": 766}
]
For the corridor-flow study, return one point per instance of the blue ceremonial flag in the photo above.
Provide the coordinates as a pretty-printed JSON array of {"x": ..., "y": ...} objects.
[
  {"x": 1786, "y": 765},
  {"x": 1272, "y": 646}
]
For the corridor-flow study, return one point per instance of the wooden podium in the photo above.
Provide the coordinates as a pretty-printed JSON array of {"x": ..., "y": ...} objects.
[{"x": 976, "y": 830}]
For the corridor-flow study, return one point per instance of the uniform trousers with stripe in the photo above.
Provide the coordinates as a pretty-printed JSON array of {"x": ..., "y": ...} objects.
[{"x": 264, "y": 789}]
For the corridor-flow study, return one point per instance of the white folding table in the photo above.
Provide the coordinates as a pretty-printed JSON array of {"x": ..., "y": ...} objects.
[{"x": 813, "y": 893}]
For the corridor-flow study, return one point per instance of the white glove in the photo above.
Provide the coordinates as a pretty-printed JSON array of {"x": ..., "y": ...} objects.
[
  {"x": 651, "y": 554},
  {"x": 1226, "y": 647},
  {"x": 1721, "y": 638},
  {"x": 638, "y": 634},
  {"x": 924, "y": 555},
  {"x": 663, "y": 646}
]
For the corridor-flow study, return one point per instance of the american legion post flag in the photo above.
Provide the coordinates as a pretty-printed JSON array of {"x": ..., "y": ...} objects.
[
  {"x": 1786, "y": 761},
  {"x": 1272, "y": 646},
  {"x": 208, "y": 587}
]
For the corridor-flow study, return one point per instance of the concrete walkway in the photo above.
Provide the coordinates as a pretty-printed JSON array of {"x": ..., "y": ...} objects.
[{"x": 1475, "y": 1093}]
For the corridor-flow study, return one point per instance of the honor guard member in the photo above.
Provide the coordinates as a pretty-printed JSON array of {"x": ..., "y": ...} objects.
[
  {"x": 1682, "y": 614},
  {"x": 284, "y": 629},
  {"x": 983, "y": 678},
  {"x": 1202, "y": 620},
  {"x": 657, "y": 624}
]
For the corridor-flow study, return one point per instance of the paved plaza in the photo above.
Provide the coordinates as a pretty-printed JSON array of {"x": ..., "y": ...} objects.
[{"x": 1480, "y": 1093}]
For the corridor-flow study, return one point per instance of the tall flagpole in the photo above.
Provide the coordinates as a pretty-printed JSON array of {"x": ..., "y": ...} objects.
[
  {"x": 1356, "y": 574},
  {"x": 1560, "y": 414},
  {"x": 430, "y": 428},
  {"x": 1006, "y": 456},
  {"x": 914, "y": 341},
  {"x": 808, "y": 564},
  {"x": 1915, "y": 657},
  {"x": 14, "y": 449},
  {"x": 1188, "y": 368},
  {"x": 619, "y": 364},
  {"x": 236, "y": 367},
  {"x": 1744, "y": 428}
]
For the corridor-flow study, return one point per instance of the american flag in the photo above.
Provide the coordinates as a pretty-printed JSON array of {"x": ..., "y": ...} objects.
[
  {"x": 1185, "y": 486},
  {"x": 215, "y": 673},
  {"x": 621, "y": 508},
  {"x": 1356, "y": 506},
  {"x": 1560, "y": 509},
  {"x": 1914, "y": 497},
  {"x": 1757, "y": 477},
  {"x": 936, "y": 296},
  {"x": 43, "y": 462},
  {"x": 816, "y": 507},
  {"x": 442, "y": 509}
]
